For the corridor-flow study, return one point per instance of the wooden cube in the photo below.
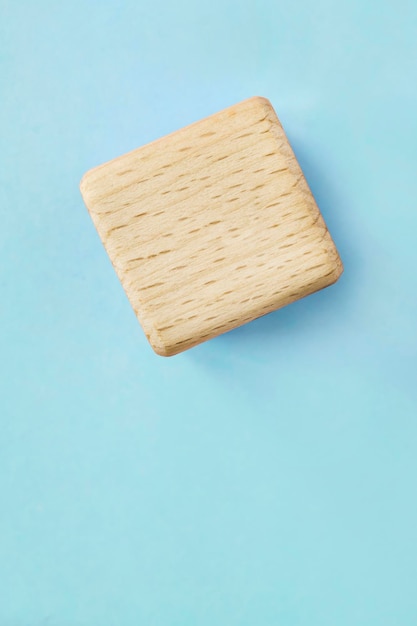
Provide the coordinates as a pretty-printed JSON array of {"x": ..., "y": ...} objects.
[{"x": 211, "y": 226}]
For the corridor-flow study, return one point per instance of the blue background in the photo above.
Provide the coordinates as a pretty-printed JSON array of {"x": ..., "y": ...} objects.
[{"x": 268, "y": 476}]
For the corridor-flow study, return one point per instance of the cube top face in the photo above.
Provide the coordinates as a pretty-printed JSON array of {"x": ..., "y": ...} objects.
[{"x": 211, "y": 226}]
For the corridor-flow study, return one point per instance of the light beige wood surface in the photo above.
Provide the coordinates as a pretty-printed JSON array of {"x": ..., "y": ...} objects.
[{"x": 211, "y": 226}]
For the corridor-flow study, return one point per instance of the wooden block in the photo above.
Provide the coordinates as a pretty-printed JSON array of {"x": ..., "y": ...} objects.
[{"x": 211, "y": 226}]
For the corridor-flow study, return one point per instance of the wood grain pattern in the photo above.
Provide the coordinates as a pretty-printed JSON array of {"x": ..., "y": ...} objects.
[{"x": 211, "y": 226}]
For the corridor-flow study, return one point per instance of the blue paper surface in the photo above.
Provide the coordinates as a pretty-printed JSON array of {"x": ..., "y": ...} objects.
[{"x": 268, "y": 476}]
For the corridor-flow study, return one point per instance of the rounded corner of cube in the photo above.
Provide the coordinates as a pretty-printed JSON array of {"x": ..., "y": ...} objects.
[
  {"x": 160, "y": 346},
  {"x": 162, "y": 350},
  {"x": 337, "y": 269},
  {"x": 84, "y": 186},
  {"x": 262, "y": 102}
]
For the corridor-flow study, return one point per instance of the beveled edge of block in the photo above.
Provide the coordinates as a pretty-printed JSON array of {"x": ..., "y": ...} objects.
[{"x": 91, "y": 172}]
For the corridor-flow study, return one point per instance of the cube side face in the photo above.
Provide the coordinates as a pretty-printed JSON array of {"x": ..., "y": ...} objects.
[{"x": 211, "y": 227}]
